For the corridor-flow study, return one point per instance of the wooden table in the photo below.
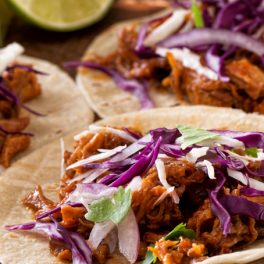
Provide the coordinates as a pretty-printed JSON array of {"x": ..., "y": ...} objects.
[{"x": 61, "y": 47}]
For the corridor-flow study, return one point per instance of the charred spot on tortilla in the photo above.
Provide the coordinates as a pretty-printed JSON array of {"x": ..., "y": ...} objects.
[{"x": 182, "y": 194}]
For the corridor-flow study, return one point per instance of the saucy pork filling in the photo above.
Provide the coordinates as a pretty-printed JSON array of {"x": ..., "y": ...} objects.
[
  {"x": 18, "y": 84},
  {"x": 207, "y": 63},
  {"x": 170, "y": 196}
]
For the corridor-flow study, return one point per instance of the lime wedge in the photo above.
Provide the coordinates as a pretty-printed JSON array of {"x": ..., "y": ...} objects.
[{"x": 61, "y": 15}]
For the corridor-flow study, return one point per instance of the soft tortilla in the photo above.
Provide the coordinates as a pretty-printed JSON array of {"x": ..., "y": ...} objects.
[
  {"x": 43, "y": 167},
  {"x": 60, "y": 101},
  {"x": 101, "y": 92}
]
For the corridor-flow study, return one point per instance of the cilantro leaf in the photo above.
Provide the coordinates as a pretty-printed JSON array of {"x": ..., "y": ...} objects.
[
  {"x": 197, "y": 15},
  {"x": 122, "y": 201},
  {"x": 100, "y": 211},
  {"x": 107, "y": 209},
  {"x": 192, "y": 135},
  {"x": 253, "y": 152},
  {"x": 150, "y": 258},
  {"x": 180, "y": 230}
]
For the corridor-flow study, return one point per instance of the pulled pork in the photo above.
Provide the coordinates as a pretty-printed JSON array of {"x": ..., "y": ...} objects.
[
  {"x": 25, "y": 86},
  {"x": 178, "y": 252},
  {"x": 245, "y": 90},
  {"x": 155, "y": 217}
]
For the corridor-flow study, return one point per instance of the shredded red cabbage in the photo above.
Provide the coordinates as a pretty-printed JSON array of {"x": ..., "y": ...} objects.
[
  {"x": 168, "y": 136},
  {"x": 228, "y": 161},
  {"x": 137, "y": 88},
  {"x": 2, "y": 129},
  {"x": 217, "y": 208},
  {"x": 182, "y": 3},
  {"x": 140, "y": 49},
  {"x": 44, "y": 228},
  {"x": 113, "y": 165},
  {"x": 259, "y": 172},
  {"x": 173, "y": 150},
  {"x": 132, "y": 133},
  {"x": 10, "y": 96},
  {"x": 226, "y": 18},
  {"x": 251, "y": 192},
  {"x": 108, "y": 178},
  {"x": 250, "y": 139},
  {"x": 26, "y": 68},
  {"x": 209, "y": 36},
  {"x": 240, "y": 205},
  {"x": 144, "y": 163},
  {"x": 56, "y": 209},
  {"x": 81, "y": 253}
]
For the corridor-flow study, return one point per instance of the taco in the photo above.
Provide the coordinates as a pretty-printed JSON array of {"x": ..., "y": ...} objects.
[
  {"x": 143, "y": 190},
  {"x": 38, "y": 97},
  {"x": 207, "y": 53}
]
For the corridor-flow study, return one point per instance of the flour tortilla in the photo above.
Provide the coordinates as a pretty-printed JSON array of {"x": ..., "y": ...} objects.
[
  {"x": 60, "y": 101},
  {"x": 43, "y": 167},
  {"x": 101, "y": 92}
]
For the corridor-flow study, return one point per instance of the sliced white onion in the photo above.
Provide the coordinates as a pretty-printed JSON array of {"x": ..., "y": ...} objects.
[
  {"x": 196, "y": 153},
  {"x": 223, "y": 140},
  {"x": 94, "y": 175},
  {"x": 88, "y": 176},
  {"x": 235, "y": 155},
  {"x": 245, "y": 159},
  {"x": 132, "y": 149},
  {"x": 99, "y": 232},
  {"x": 103, "y": 150},
  {"x": 82, "y": 134},
  {"x": 259, "y": 32},
  {"x": 169, "y": 191},
  {"x": 121, "y": 133},
  {"x": 163, "y": 179},
  {"x": 168, "y": 27},
  {"x": 189, "y": 59},
  {"x": 135, "y": 184},
  {"x": 97, "y": 157},
  {"x": 129, "y": 238},
  {"x": 62, "y": 146},
  {"x": 260, "y": 155},
  {"x": 187, "y": 26},
  {"x": 239, "y": 176},
  {"x": 162, "y": 173},
  {"x": 209, "y": 166},
  {"x": 8, "y": 55},
  {"x": 81, "y": 195},
  {"x": 112, "y": 240},
  {"x": 163, "y": 156}
]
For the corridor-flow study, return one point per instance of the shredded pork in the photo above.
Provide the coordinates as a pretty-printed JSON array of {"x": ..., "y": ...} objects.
[
  {"x": 154, "y": 219},
  {"x": 25, "y": 86}
]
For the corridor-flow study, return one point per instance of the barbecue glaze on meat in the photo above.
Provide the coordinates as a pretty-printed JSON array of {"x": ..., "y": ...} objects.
[
  {"x": 24, "y": 85},
  {"x": 244, "y": 90},
  {"x": 154, "y": 219}
]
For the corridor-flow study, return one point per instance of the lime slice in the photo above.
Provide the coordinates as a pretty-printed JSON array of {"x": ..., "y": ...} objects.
[{"x": 61, "y": 15}]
